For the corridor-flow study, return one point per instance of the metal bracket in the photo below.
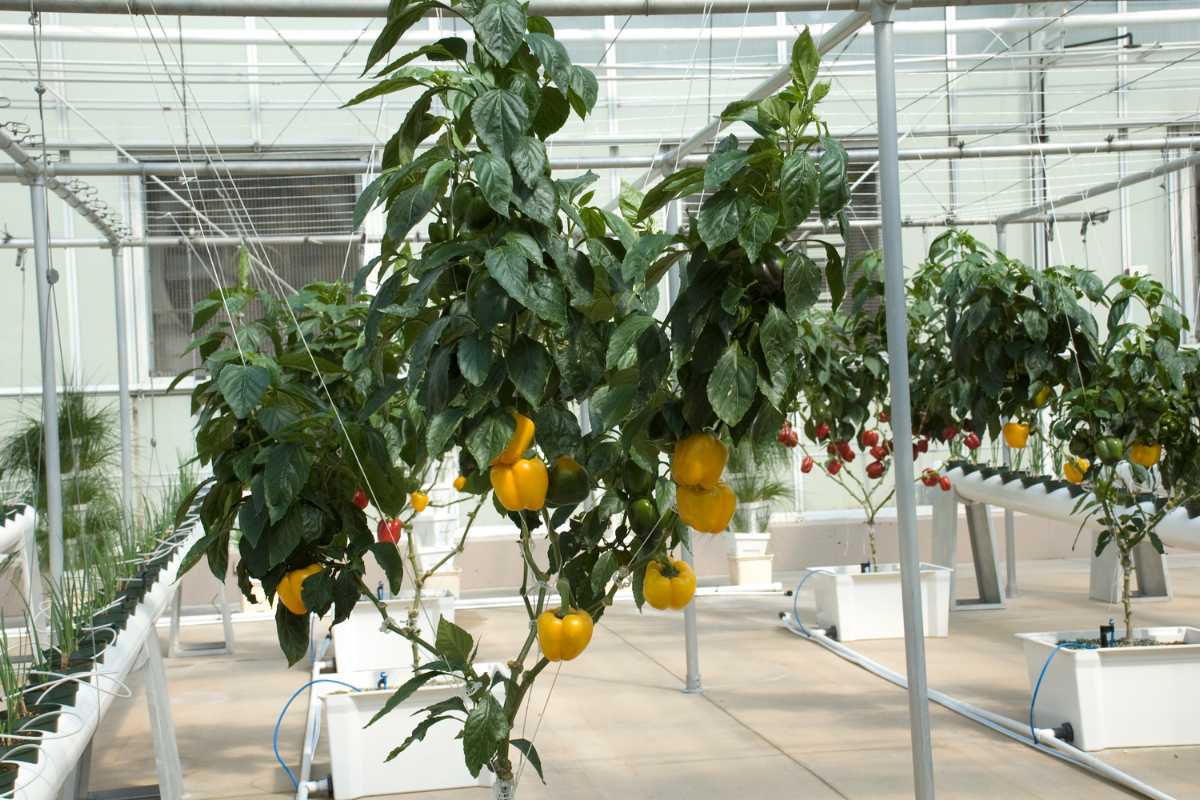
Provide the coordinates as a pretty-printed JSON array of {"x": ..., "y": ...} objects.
[
  {"x": 983, "y": 550},
  {"x": 1150, "y": 568},
  {"x": 224, "y": 647}
]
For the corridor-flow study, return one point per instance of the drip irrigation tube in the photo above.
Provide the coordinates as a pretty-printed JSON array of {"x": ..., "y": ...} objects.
[{"x": 1047, "y": 742}]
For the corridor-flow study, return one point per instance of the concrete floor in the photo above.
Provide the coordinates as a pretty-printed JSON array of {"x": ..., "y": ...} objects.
[{"x": 778, "y": 717}]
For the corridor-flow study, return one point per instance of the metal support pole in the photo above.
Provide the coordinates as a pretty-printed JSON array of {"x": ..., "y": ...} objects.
[
  {"x": 901, "y": 412},
  {"x": 125, "y": 408},
  {"x": 691, "y": 637},
  {"x": 1010, "y": 533},
  {"x": 162, "y": 726},
  {"x": 41, "y": 257}
]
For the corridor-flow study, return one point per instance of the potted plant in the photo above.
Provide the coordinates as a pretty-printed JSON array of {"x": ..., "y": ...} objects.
[
  {"x": 526, "y": 302},
  {"x": 753, "y": 475},
  {"x": 1137, "y": 405},
  {"x": 844, "y": 412}
]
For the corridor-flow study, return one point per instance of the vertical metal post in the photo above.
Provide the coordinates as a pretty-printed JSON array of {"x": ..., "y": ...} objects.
[
  {"x": 691, "y": 637},
  {"x": 41, "y": 257},
  {"x": 1010, "y": 533},
  {"x": 162, "y": 726},
  {"x": 897, "y": 338},
  {"x": 124, "y": 407}
]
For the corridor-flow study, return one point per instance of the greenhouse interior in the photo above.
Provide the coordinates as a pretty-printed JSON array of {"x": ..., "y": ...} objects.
[{"x": 621, "y": 399}]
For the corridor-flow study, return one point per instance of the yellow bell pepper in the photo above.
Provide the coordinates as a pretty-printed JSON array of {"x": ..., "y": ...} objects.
[
  {"x": 1043, "y": 396},
  {"x": 706, "y": 510},
  {"x": 698, "y": 460},
  {"x": 460, "y": 482},
  {"x": 1074, "y": 469},
  {"x": 1147, "y": 455},
  {"x": 419, "y": 500},
  {"x": 1016, "y": 434},
  {"x": 674, "y": 591},
  {"x": 563, "y": 638},
  {"x": 521, "y": 440},
  {"x": 289, "y": 587},
  {"x": 522, "y": 485}
]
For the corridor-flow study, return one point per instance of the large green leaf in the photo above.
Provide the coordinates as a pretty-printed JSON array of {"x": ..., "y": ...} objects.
[
  {"x": 553, "y": 56},
  {"x": 442, "y": 428},
  {"x": 645, "y": 250},
  {"x": 292, "y": 632},
  {"x": 799, "y": 186},
  {"x": 449, "y": 49},
  {"x": 552, "y": 113},
  {"x": 720, "y": 218},
  {"x": 387, "y": 556},
  {"x": 529, "y": 368},
  {"x": 508, "y": 265},
  {"x": 806, "y": 59},
  {"x": 495, "y": 181},
  {"x": 722, "y": 166},
  {"x": 406, "y": 690},
  {"x": 801, "y": 284},
  {"x": 733, "y": 384},
  {"x": 500, "y": 26},
  {"x": 475, "y": 358},
  {"x": 490, "y": 436},
  {"x": 414, "y": 76},
  {"x": 484, "y": 731},
  {"x": 407, "y": 209},
  {"x": 622, "y": 346},
  {"x": 453, "y": 643},
  {"x": 757, "y": 229},
  {"x": 530, "y": 752},
  {"x": 547, "y": 299},
  {"x": 585, "y": 90},
  {"x": 678, "y": 184},
  {"x": 501, "y": 119},
  {"x": 287, "y": 471},
  {"x": 778, "y": 339},
  {"x": 539, "y": 201},
  {"x": 835, "y": 188},
  {"x": 529, "y": 159},
  {"x": 557, "y": 431},
  {"x": 243, "y": 387}
]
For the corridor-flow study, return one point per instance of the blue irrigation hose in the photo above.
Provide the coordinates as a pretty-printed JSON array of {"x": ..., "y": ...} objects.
[
  {"x": 808, "y": 573},
  {"x": 1070, "y": 645},
  {"x": 279, "y": 723}
]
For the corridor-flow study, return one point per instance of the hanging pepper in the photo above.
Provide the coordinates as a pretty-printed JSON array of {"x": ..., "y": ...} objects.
[
  {"x": 569, "y": 483},
  {"x": 564, "y": 635},
  {"x": 669, "y": 586},
  {"x": 419, "y": 500},
  {"x": 290, "y": 585},
  {"x": 1145, "y": 455},
  {"x": 1075, "y": 469},
  {"x": 460, "y": 483},
  {"x": 521, "y": 486},
  {"x": 706, "y": 510},
  {"x": 1016, "y": 434},
  {"x": 1110, "y": 449},
  {"x": 699, "y": 461},
  {"x": 519, "y": 442}
]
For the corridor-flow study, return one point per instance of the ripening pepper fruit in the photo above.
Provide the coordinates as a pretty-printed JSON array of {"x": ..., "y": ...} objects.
[
  {"x": 706, "y": 510},
  {"x": 569, "y": 483},
  {"x": 521, "y": 486},
  {"x": 519, "y": 442},
  {"x": 1145, "y": 455},
  {"x": 1075, "y": 469},
  {"x": 643, "y": 516},
  {"x": 1043, "y": 396},
  {"x": 698, "y": 460},
  {"x": 1016, "y": 434},
  {"x": 419, "y": 500},
  {"x": 672, "y": 588},
  {"x": 1110, "y": 449},
  {"x": 637, "y": 481},
  {"x": 564, "y": 637},
  {"x": 360, "y": 498},
  {"x": 289, "y": 587},
  {"x": 460, "y": 483}
]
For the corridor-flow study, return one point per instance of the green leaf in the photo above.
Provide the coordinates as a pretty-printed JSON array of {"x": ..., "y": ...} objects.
[
  {"x": 585, "y": 89},
  {"x": 407, "y": 209},
  {"x": 799, "y": 186},
  {"x": 530, "y": 752},
  {"x": 552, "y": 113},
  {"x": 287, "y": 470},
  {"x": 453, "y": 643},
  {"x": 806, "y": 59},
  {"x": 529, "y": 159},
  {"x": 622, "y": 347},
  {"x": 557, "y": 431},
  {"x": 292, "y": 632},
  {"x": 733, "y": 384},
  {"x": 475, "y": 358},
  {"x": 801, "y": 284},
  {"x": 778, "y": 338},
  {"x": 610, "y": 404},
  {"x": 501, "y": 119},
  {"x": 529, "y": 369},
  {"x": 407, "y": 80},
  {"x": 835, "y": 189},
  {"x": 243, "y": 387},
  {"x": 835, "y": 274},
  {"x": 495, "y": 181},
  {"x": 722, "y": 166},
  {"x": 547, "y": 299},
  {"x": 301, "y": 522},
  {"x": 500, "y": 26},
  {"x": 678, "y": 184},
  {"x": 645, "y": 250},
  {"x": 406, "y": 690},
  {"x": 539, "y": 201},
  {"x": 418, "y": 732},
  {"x": 441, "y": 430},
  {"x": 553, "y": 57},
  {"x": 317, "y": 592},
  {"x": 509, "y": 267},
  {"x": 1035, "y": 324},
  {"x": 757, "y": 229},
  {"x": 387, "y": 555},
  {"x": 449, "y": 49},
  {"x": 719, "y": 219},
  {"x": 605, "y": 568},
  {"x": 490, "y": 436},
  {"x": 484, "y": 731}
]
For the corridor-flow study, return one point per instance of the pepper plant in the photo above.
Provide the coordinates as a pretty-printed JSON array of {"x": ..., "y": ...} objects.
[{"x": 1138, "y": 404}]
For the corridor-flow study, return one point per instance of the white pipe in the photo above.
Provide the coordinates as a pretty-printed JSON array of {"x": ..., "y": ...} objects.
[
  {"x": 1045, "y": 736},
  {"x": 774, "y": 33}
]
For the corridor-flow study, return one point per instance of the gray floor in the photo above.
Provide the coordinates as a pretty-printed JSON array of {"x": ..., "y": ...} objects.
[{"x": 778, "y": 717}]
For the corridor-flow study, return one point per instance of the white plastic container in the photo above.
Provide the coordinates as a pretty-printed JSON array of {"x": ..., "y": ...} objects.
[
  {"x": 1119, "y": 696},
  {"x": 363, "y": 650},
  {"x": 358, "y": 755},
  {"x": 868, "y": 605}
]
